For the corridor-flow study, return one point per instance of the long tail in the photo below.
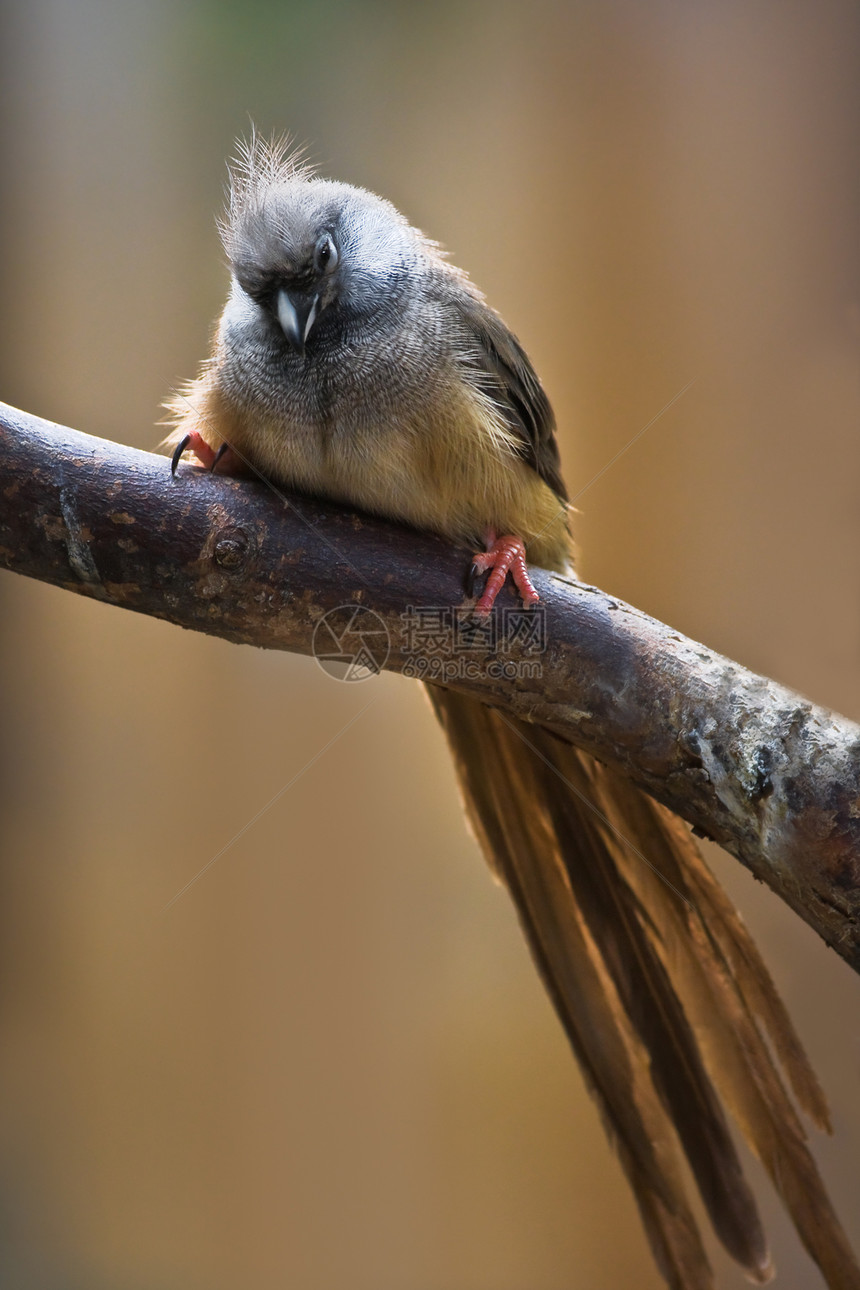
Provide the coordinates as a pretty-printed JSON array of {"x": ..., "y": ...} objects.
[{"x": 662, "y": 993}]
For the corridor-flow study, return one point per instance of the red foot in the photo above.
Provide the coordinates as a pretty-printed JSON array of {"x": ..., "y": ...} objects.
[
  {"x": 223, "y": 459},
  {"x": 504, "y": 555}
]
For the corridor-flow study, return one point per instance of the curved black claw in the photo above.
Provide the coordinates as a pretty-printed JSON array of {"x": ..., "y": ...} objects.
[
  {"x": 473, "y": 573},
  {"x": 180, "y": 448},
  {"x": 224, "y": 448}
]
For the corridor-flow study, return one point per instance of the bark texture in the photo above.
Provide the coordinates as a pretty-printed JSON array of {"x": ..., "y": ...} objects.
[{"x": 771, "y": 777}]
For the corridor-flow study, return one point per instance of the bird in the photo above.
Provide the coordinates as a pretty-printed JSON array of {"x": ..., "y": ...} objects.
[{"x": 353, "y": 362}]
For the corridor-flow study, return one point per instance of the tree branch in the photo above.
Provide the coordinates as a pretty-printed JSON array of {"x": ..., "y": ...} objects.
[{"x": 771, "y": 777}]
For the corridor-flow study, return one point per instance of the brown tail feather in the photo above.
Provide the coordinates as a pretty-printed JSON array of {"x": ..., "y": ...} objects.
[
  {"x": 709, "y": 945},
  {"x": 659, "y": 987}
]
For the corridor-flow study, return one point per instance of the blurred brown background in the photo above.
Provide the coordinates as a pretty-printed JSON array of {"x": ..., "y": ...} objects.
[{"x": 330, "y": 1063}]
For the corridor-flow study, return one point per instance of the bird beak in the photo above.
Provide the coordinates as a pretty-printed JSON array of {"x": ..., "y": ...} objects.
[{"x": 297, "y": 313}]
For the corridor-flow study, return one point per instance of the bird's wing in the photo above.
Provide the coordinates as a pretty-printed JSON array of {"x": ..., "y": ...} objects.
[{"x": 506, "y": 375}]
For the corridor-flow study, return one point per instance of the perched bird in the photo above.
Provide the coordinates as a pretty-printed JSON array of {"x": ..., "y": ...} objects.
[{"x": 353, "y": 362}]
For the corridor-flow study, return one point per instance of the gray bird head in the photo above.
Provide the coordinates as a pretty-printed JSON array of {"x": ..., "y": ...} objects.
[{"x": 311, "y": 259}]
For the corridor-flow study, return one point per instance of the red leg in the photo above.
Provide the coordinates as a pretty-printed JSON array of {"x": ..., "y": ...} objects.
[{"x": 504, "y": 555}]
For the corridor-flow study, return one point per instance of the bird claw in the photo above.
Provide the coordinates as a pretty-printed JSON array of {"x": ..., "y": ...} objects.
[
  {"x": 178, "y": 451},
  {"x": 209, "y": 458},
  {"x": 220, "y": 455},
  {"x": 472, "y": 575},
  {"x": 504, "y": 555}
]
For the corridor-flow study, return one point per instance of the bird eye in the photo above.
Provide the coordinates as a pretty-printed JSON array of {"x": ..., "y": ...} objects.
[{"x": 325, "y": 254}]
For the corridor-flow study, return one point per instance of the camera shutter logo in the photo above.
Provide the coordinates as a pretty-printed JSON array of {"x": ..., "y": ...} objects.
[{"x": 351, "y": 643}]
